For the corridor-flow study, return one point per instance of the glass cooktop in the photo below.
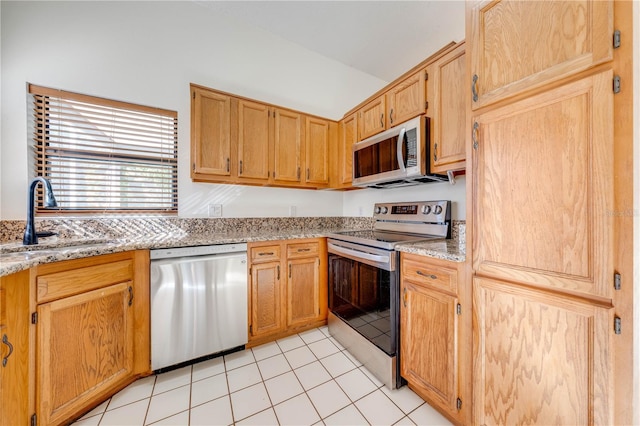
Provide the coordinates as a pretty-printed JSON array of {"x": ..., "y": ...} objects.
[{"x": 381, "y": 239}]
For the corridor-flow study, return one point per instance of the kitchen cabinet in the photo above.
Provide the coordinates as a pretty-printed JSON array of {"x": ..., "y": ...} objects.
[
  {"x": 446, "y": 94},
  {"x": 92, "y": 331},
  {"x": 371, "y": 117},
  {"x": 432, "y": 338},
  {"x": 288, "y": 291},
  {"x": 519, "y": 46},
  {"x": 16, "y": 399},
  {"x": 344, "y": 163},
  {"x": 407, "y": 99},
  {"x": 241, "y": 141}
]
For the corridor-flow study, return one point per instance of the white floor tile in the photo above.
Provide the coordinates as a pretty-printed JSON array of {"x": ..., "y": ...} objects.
[
  {"x": 291, "y": 342},
  {"x": 428, "y": 416},
  {"x": 249, "y": 401},
  {"x": 89, "y": 421},
  {"x": 296, "y": 411},
  {"x": 324, "y": 330},
  {"x": 140, "y": 389},
  {"x": 337, "y": 364},
  {"x": 312, "y": 375},
  {"x": 168, "y": 403},
  {"x": 335, "y": 342},
  {"x": 208, "y": 368},
  {"x": 273, "y": 366},
  {"x": 132, "y": 414},
  {"x": 263, "y": 418},
  {"x": 371, "y": 377},
  {"x": 283, "y": 387},
  {"x": 323, "y": 348},
  {"x": 404, "y": 398},
  {"x": 265, "y": 351},
  {"x": 98, "y": 410},
  {"x": 243, "y": 377},
  {"x": 348, "y": 416},
  {"x": 328, "y": 398},
  {"x": 179, "y": 419},
  {"x": 405, "y": 421},
  {"x": 312, "y": 336},
  {"x": 356, "y": 384},
  {"x": 300, "y": 356},
  {"x": 172, "y": 379},
  {"x": 378, "y": 409},
  {"x": 216, "y": 412},
  {"x": 238, "y": 359},
  {"x": 352, "y": 358},
  {"x": 208, "y": 389}
]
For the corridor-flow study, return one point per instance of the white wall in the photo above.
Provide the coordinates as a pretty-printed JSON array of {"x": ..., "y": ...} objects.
[{"x": 148, "y": 53}]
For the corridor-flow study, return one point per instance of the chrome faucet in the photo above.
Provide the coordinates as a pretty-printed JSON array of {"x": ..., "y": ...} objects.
[{"x": 30, "y": 234}]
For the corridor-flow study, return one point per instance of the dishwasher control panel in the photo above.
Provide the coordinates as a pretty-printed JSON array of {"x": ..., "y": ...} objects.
[{"x": 197, "y": 250}]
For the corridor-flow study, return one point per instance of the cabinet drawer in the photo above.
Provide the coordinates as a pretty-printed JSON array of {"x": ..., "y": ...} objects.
[
  {"x": 302, "y": 250},
  {"x": 438, "y": 277},
  {"x": 265, "y": 253},
  {"x": 70, "y": 282}
]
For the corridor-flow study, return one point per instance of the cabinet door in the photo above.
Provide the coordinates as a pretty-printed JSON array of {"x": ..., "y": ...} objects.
[
  {"x": 407, "y": 99},
  {"x": 253, "y": 141},
  {"x": 348, "y": 136},
  {"x": 520, "y": 45},
  {"x": 543, "y": 189},
  {"x": 317, "y": 134},
  {"x": 211, "y": 133},
  {"x": 84, "y": 348},
  {"x": 15, "y": 397},
  {"x": 429, "y": 344},
  {"x": 447, "y": 108},
  {"x": 267, "y": 298},
  {"x": 371, "y": 117},
  {"x": 287, "y": 142},
  {"x": 303, "y": 291},
  {"x": 540, "y": 358}
]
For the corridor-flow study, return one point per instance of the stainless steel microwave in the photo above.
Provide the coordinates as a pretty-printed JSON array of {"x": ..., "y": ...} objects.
[{"x": 396, "y": 157}]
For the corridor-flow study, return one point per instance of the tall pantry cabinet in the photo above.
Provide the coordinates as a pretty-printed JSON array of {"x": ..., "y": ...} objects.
[{"x": 544, "y": 154}]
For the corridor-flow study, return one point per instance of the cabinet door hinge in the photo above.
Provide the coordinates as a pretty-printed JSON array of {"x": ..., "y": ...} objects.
[
  {"x": 617, "y": 325},
  {"x": 194, "y": 95},
  {"x": 34, "y": 420},
  {"x": 459, "y": 404},
  {"x": 250, "y": 328},
  {"x": 616, "y": 39},
  {"x": 617, "y": 281},
  {"x": 426, "y": 105},
  {"x": 616, "y": 84},
  {"x": 426, "y": 76},
  {"x": 34, "y": 318},
  {"x": 458, "y": 309},
  {"x": 193, "y": 167}
]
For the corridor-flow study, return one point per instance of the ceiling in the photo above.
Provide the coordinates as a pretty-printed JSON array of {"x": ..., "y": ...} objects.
[{"x": 380, "y": 38}]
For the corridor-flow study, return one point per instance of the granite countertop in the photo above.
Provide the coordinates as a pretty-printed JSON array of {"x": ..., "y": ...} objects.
[{"x": 14, "y": 257}]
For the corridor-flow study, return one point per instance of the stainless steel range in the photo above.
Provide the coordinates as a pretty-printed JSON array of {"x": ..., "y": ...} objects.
[{"x": 364, "y": 296}]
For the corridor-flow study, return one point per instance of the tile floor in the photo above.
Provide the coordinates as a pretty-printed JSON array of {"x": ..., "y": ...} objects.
[{"x": 305, "y": 379}]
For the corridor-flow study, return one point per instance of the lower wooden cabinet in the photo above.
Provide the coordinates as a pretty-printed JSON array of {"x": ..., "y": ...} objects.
[
  {"x": 288, "y": 291},
  {"x": 431, "y": 338}
]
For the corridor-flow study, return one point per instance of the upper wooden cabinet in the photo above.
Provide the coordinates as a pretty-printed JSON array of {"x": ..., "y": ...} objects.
[
  {"x": 446, "y": 94},
  {"x": 518, "y": 46},
  {"x": 211, "y": 127},
  {"x": 371, "y": 117},
  {"x": 237, "y": 140},
  {"x": 344, "y": 162},
  {"x": 406, "y": 99}
]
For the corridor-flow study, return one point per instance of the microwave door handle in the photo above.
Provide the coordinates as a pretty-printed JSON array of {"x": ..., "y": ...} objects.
[
  {"x": 399, "y": 149},
  {"x": 356, "y": 253}
]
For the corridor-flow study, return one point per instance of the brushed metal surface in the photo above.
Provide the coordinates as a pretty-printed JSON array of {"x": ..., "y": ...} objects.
[{"x": 198, "y": 307}]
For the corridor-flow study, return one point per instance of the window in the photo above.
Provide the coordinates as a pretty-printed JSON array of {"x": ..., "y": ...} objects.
[{"x": 104, "y": 156}]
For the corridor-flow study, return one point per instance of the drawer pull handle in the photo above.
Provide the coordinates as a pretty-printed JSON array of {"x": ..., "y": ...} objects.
[
  {"x": 433, "y": 277},
  {"x": 305, "y": 249},
  {"x": 404, "y": 297},
  {"x": 5, "y": 340},
  {"x": 381, "y": 120},
  {"x": 130, "y": 295},
  {"x": 266, "y": 253},
  {"x": 474, "y": 87},
  {"x": 278, "y": 271}
]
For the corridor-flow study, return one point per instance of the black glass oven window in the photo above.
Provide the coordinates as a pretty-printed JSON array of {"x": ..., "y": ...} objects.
[{"x": 361, "y": 296}]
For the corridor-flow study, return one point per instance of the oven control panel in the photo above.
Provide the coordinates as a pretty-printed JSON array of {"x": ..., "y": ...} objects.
[{"x": 418, "y": 211}]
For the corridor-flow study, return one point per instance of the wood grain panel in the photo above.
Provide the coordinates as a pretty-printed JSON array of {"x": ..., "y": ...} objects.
[
  {"x": 348, "y": 136},
  {"x": 406, "y": 99},
  {"x": 317, "y": 134},
  {"x": 521, "y": 45},
  {"x": 306, "y": 249},
  {"x": 85, "y": 345},
  {"x": 541, "y": 214},
  {"x": 264, "y": 253},
  {"x": 253, "y": 140},
  {"x": 66, "y": 283},
  {"x": 371, "y": 117},
  {"x": 303, "y": 286},
  {"x": 438, "y": 277},
  {"x": 267, "y": 299},
  {"x": 287, "y": 146},
  {"x": 539, "y": 358},
  {"x": 211, "y": 127}
]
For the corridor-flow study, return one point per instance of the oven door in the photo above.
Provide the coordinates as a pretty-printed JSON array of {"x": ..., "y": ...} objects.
[{"x": 364, "y": 292}]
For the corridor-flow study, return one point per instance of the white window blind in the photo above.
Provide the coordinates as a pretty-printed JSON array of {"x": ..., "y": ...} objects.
[{"x": 105, "y": 156}]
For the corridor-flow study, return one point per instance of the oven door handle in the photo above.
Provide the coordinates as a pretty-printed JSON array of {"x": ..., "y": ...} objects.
[
  {"x": 399, "y": 149},
  {"x": 355, "y": 253}
]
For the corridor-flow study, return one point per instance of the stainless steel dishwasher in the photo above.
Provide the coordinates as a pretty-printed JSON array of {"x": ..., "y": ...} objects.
[{"x": 198, "y": 302}]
